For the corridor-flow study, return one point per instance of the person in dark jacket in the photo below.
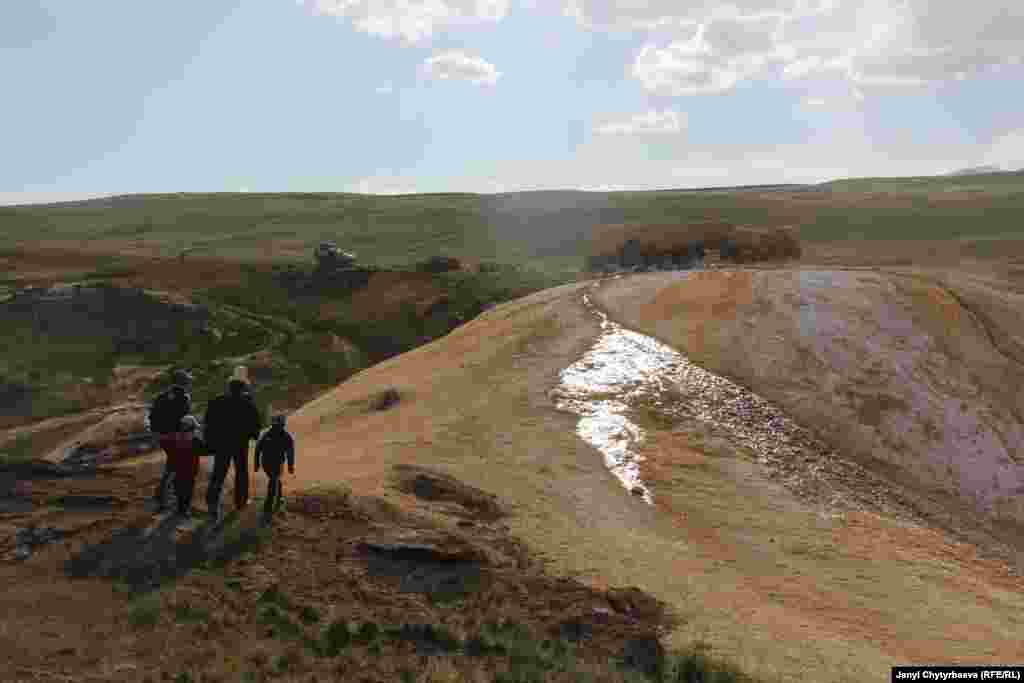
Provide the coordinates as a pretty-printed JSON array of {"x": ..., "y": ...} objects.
[
  {"x": 271, "y": 450},
  {"x": 178, "y": 401},
  {"x": 232, "y": 420},
  {"x": 184, "y": 448}
]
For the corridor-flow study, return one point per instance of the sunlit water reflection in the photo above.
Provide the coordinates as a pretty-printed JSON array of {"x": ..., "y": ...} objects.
[{"x": 624, "y": 367}]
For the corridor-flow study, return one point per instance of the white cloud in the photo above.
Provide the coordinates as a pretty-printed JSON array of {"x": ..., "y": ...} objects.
[
  {"x": 1006, "y": 151},
  {"x": 719, "y": 55},
  {"x": 460, "y": 65},
  {"x": 816, "y": 102},
  {"x": 412, "y": 21},
  {"x": 385, "y": 89},
  {"x": 869, "y": 43},
  {"x": 649, "y": 123}
]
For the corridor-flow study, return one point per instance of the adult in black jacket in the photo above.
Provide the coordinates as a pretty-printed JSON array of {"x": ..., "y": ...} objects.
[
  {"x": 232, "y": 419},
  {"x": 271, "y": 450}
]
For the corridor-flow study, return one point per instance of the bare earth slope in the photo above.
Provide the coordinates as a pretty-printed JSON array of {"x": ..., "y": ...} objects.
[
  {"x": 894, "y": 369},
  {"x": 755, "y": 574}
]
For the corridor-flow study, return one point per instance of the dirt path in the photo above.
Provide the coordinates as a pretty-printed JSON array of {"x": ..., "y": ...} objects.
[{"x": 755, "y": 574}]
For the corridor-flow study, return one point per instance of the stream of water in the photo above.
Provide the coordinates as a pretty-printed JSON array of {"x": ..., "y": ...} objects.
[{"x": 624, "y": 367}]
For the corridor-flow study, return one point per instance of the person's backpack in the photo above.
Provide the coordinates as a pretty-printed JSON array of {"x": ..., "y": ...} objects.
[{"x": 167, "y": 411}]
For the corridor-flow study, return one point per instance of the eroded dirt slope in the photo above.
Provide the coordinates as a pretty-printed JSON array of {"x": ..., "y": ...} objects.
[{"x": 893, "y": 368}]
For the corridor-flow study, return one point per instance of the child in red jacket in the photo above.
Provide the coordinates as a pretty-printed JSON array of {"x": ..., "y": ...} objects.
[{"x": 184, "y": 447}]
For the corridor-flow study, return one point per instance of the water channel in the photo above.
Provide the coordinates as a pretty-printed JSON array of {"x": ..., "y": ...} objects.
[{"x": 624, "y": 368}]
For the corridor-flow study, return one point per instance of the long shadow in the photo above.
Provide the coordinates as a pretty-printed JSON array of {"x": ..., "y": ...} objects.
[{"x": 146, "y": 557}]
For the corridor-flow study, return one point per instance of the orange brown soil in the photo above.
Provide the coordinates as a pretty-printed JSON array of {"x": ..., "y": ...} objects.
[
  {"x": 801, "y": 600},
  {"x": 60, "y": 629},
  {"x": 387, "y": 292},
  {"x": 50, "y": 263}
]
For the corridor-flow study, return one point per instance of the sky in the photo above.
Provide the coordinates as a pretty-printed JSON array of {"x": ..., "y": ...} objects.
[{"x": 400, "y": 96}]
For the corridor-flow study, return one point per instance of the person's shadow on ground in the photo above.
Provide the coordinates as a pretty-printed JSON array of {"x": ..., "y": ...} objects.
[{"x": 147, "y": 556}]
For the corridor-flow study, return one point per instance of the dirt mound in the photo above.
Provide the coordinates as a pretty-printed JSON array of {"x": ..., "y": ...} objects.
[{"x": 437, "y": 486}]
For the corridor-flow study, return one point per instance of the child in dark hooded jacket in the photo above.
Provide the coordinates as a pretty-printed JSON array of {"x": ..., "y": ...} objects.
[{"x": 272, "y": 449}]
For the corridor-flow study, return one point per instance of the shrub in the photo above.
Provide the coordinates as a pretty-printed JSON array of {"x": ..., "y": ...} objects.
[{"x": 336, "y": 638}]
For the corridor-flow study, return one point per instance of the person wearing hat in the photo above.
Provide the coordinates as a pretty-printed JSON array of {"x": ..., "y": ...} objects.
[
  {"x": 272, "y": 449},
  {"x": 232, "y": 420},
  {"x": 164, "y": 419}
]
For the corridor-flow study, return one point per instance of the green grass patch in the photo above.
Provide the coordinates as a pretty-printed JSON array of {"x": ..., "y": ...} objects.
[
  {"x": 280, "y": 626},
  {"x": 17, "y": 451},
  {"x": 145, "y": 610},
  {"x": 309, "y": 615},
  {"x": 282, "y": 663},
  {"x": 188, "y": 613},
  {"x": 274, "y": 596},
  {"x": 336, "y": 638}
]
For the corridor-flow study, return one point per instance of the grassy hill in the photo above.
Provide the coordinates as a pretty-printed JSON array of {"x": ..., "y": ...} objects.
[{"x": 544, "y": 227}]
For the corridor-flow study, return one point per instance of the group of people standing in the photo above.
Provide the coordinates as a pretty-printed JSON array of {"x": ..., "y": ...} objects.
[{"x": 232, "y": 420}]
